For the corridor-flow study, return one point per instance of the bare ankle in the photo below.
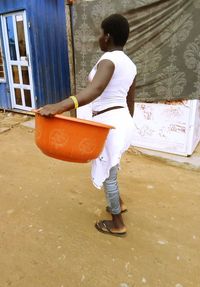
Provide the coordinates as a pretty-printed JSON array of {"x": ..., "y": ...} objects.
[{"x": 118, "y": 220}]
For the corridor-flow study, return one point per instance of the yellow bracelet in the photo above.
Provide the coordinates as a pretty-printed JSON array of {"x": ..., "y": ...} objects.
[{"x": 74, "y": 99}]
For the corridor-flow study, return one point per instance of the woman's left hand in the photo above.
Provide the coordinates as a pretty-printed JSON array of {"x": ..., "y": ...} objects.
[{"x": 50, "y": 110}]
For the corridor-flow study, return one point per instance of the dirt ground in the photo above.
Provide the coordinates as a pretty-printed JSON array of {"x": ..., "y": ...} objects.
[{"x": 48, "y": 209}]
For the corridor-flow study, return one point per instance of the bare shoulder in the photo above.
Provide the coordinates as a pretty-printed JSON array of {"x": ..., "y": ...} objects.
[{"x": 106, "y": 63}]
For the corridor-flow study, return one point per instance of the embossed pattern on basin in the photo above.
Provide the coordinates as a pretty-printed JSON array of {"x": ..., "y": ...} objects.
[{"x": 70, "y": 139}]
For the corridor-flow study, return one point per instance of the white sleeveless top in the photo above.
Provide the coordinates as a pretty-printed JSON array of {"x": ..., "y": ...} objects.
[{"x": 116, "y": 91}]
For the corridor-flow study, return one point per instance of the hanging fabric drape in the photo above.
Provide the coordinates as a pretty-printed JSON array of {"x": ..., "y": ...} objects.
[{"x": 164, "y": 43}]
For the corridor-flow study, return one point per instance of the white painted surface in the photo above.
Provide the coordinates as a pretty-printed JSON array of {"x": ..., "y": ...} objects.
[{"x": 172, "y": 127}]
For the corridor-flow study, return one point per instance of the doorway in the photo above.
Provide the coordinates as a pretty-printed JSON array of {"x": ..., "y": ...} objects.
[{"x": 15, "y": 36}]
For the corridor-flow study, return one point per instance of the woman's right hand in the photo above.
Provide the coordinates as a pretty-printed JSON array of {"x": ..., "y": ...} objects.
[{"x": 50, "y": 110}]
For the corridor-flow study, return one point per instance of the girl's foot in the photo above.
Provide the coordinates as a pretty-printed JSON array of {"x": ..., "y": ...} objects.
[
  {"x": 114, "y": 227},
  {"x": 108, "y": 227}
]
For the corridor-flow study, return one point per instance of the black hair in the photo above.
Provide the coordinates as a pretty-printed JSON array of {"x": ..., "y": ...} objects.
[{"x": 118, "y": 27}]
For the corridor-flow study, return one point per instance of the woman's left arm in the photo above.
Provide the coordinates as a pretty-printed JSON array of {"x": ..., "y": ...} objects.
[
  {"x": 131, "y": 98},
  {"x": 105, "y": 70}
]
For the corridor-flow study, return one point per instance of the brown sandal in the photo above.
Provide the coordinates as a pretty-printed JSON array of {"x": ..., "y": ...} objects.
[{"x": 103, "y": 227}]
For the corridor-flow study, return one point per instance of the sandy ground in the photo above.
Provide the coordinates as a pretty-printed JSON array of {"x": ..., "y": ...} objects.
[{"x": 48, "y": 209}]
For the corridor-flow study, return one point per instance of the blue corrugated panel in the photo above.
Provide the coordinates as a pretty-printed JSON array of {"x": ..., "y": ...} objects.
[
  {"x": 4, "y": 97},
  {"x": 48, "y": 46},
  {"x": 49, "y": 50},
  {"x": 7, "y": 6}
]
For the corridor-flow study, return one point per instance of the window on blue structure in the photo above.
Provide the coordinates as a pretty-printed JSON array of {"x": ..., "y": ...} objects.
[{"x": 2, "y": 70}]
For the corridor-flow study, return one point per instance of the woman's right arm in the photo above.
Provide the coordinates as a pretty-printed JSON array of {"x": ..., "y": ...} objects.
[{"x": 94, "y": 89}]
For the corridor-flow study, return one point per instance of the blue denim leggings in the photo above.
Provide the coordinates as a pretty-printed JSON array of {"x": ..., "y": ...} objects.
[{"x": 112, "y": 191}]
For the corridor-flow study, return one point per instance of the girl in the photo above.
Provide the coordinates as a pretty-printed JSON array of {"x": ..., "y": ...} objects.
[{"x": 111, "y": 91}]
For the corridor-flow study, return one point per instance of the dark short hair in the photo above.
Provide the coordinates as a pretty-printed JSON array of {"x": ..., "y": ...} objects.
[{"x": 118, "y": 27}]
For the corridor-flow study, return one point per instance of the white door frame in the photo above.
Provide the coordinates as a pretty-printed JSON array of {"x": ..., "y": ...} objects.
[{"x": 21, "y": 61}]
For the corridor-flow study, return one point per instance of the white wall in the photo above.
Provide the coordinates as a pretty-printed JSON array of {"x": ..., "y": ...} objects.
[{"x": 172, "y": 127}]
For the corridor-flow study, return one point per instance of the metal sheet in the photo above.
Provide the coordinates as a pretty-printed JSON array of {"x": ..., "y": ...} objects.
[
  {"x": 48, "y": 47},
  {"x": 4, "y": 97}
]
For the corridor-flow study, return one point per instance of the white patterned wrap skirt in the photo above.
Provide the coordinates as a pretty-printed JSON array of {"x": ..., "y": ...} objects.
[{"x": 118, "y": 141}]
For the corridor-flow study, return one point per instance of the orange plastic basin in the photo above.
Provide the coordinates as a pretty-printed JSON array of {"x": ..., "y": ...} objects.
[{"x": 70, "y": 139}]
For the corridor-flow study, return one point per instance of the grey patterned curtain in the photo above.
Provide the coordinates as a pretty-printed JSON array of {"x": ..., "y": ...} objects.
[{"x": 164, "y": 43}]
